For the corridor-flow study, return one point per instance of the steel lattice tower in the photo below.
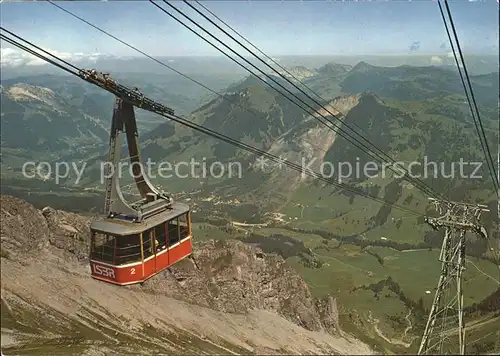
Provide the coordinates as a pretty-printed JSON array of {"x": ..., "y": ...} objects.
[{"x": 445, "y": 323}]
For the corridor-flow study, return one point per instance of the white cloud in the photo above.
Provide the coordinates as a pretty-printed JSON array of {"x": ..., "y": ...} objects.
[
  {"x": 13, "y": 57},
  {"x": 436, "y": 60},
  {"x": 451, "y": 55}
]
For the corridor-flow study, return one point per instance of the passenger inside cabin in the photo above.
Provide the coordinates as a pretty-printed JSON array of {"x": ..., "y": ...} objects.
[{"x": 161, "y": 238}]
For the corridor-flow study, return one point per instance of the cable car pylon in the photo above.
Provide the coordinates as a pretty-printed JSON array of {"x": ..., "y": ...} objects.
[{"x": 457, "y": 219}]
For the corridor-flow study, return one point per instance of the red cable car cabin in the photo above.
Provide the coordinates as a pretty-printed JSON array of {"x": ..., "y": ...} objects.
[
  {"x": 136, "y": 240},
  {"x": 125, "y": 252}
]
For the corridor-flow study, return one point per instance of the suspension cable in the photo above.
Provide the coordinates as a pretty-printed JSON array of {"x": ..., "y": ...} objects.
[
  {"x": 373, "y": 147},
  {"x": 474, "y": 113},
  {"x": 272, "y": 60},
  {"x": 224, "y": 97},
  {"x": 30, "y": 51},
  {"x": 472, "y": 105},
  {"x": 422, "y": 186},
  {"x": 222, "y": 137}
]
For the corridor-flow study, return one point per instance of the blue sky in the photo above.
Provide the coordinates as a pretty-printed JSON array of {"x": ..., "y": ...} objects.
[{"x": 277, "y": 27}]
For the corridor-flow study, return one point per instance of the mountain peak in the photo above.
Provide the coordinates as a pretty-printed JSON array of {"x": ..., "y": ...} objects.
[
  {"x": 362, "y": 67},
  {"x": 334, "y": 68}
]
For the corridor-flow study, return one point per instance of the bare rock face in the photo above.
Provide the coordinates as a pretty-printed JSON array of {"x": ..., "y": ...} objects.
[
  {"x": 68, "y": 231},
  {"x": 329, "y": 313},
  {"x": 25, "y": 229},
  {"x": 19, "y": 235},
  {"x": 234, "y": 277}
]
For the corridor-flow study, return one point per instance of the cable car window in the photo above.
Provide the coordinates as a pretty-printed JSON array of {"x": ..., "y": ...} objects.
[
  {"x": 102, "y": 247},
  {"x": 128, "y": 249},
  {"x": 161, "y": 237},
  {"x": 183, "y": 226},
  {"x": 173, "y": 231},
  {"x": 147, "y": 244}
]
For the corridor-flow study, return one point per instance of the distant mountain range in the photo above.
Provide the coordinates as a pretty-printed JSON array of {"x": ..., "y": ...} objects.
[
  {"x": 411, "y": 112},
  {"x": 477, "y": 63}
]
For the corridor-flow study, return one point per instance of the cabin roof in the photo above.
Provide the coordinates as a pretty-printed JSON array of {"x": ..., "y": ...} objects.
[{"x": 123, "y": 227}]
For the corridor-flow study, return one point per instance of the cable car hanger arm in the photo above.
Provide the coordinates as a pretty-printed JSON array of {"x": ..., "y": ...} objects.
[{"x": 124, "y": 124}]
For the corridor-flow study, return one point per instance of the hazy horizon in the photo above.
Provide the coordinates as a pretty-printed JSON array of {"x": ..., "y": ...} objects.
[
  {"x": 211, "y": 65},
  {"x": 279, "y": 28}
]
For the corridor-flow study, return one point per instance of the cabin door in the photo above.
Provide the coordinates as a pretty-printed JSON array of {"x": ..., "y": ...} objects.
[
  {"x": 160, "y": 242},
  {"x": 149, "y": 257},
  {"x": 167, "y": 245},
  {"x": 143, "y": 236},
  {"x": 155, "y": 246}
]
